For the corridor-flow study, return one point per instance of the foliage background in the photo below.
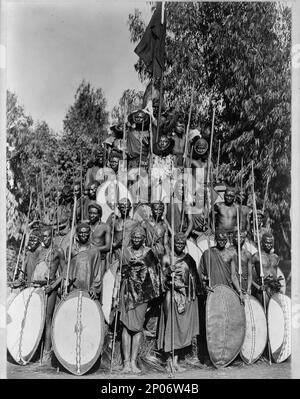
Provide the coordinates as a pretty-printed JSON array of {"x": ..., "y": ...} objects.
[{"x": 237, "y": 57}]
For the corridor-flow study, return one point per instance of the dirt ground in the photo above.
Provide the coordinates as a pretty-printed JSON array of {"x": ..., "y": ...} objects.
[{"x": 238, "y": 370}]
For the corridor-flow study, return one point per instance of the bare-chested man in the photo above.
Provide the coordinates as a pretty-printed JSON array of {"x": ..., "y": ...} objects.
[
  {"x": 226, "y": 214},
  {"x": 100, "y": 231},
  {"x": 270, "y": 263},
  {"x": 246, "y": 265}
]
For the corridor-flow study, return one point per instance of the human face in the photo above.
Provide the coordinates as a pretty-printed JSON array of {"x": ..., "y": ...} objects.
[
  {"x": 114, "y": 164},
  {"x": 100, "y": 158},
  {"x": 163, "y": 143},
  {"x": 179, "y": 246},
  {"x": 221, "y": 240},
  {"x": 94, "y": 215},
  {"x": 93, "y": 191},
  {"x": 83, "y": 235},
  {"x": 138, "y": 117},
  {"x": 124, "y": 207},
  {"x": 242, "y": 238},
  {"x": 86, "y": 192},
  {"x": 229, "y": 197},
  {"x": 201, "y": 147},
  {"x": 157, "y": 210},
  {"x": 179, "y": 128},
  {"x": 268, "y": 244},
  {"x": 137, "y": 240},
  {"x": 46, "y": 238},
  {"x": 33, "y": 243},
  {"x": 77, "y": 190}
]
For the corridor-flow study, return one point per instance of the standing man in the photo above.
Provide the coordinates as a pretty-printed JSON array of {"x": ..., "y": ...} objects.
[
  {"x": 215, "y": 263},
  {"x": 186, "y": 316},
  {"x": 246, "y": 265},
  {"x": 140, "y": 282},
  {"x": 270, "y": 263},
  {"x": 100, "y": 232},
  {"x": 42, "y": 266},
  {"x": 226, "y": 213},
  {"x": 157, "y": 231},
  {"x": 86, "y": 271}
]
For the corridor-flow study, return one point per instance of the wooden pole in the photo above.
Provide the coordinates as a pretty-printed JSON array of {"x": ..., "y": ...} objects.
[
  {"x": 81, "y": 188},
  {"x": 118, "y": 289},
  {"x": 239, "y": 247},
  {"x": 70, "y": 246},
  {"x": 23, "y": 237},
  {"x": 218, "y": 159},
  {"x": 173, "y": 273},
  {"x": 256, "y": 228},
  {"x": 57, "y": 200},
  {"x": 43, "y": 194},
  {"x": 188, "y": 127}
]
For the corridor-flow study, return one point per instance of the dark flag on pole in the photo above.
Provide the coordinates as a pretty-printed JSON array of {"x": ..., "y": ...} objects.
[{"x": 151, "y": 48}]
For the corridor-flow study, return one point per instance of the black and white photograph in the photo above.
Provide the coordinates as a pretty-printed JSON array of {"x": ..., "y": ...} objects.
[{"x": 149, "y": 224}]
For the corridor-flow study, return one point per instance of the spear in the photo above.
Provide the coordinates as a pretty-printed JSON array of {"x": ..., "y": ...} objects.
[
  {"x": 188, "y": 127},
  {"x": 46, "y": 302},
  {"x": 70, "y": 246},
  {"x": 218, "y": 159},
  {"x": 81, "y": 188},
  {"x": 239, "y": 246},
  {"x": 118, "y": 288},
  {"x": 208, "y": 184},
  {"x": 140, "y": 161},
  {"x": 57, "y": 200},
  {"x": 172, "y": 285},
  {"x": 124, "y": 132},
  {"x": 23, "y": 238},
  {"x": 43, "y": 193},
  {"x": 259, "y": 254}
]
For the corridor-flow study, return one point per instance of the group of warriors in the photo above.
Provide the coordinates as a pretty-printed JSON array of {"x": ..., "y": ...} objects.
[{"x": 166, "y": 243}]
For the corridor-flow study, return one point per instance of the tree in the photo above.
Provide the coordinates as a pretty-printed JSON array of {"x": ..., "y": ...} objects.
[
  {"x": 236, "y": 56},
  {"x": 85, "y": 128},
  {"x": 132, "y": 99}
]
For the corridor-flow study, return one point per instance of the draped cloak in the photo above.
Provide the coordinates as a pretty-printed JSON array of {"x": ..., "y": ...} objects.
[
  {"x": 140, "y": 283},
  {"x": 186, "y": 311},
  {"x": 220, "y": 272}
]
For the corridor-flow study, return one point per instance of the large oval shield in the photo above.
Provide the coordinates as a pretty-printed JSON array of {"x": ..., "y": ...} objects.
[
  {"x": 256, "y": 330},
  {"x": 78, "y": 332},
  {"x": 26, "y": 314},
  {"x": 225, "y": 325},
  {"x": 280, "y": 327}
]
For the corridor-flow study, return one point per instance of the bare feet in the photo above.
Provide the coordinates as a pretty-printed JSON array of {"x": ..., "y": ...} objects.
[
  {"x": 178, "y": 368},
  {"x": 127, "y": 367},
  {"x": 135, "y": 368}
]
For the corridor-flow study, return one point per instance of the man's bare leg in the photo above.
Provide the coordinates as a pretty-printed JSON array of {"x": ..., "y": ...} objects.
[
  {"x": 136, "y": 342},
  {"x": 126, "y": 346}
]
